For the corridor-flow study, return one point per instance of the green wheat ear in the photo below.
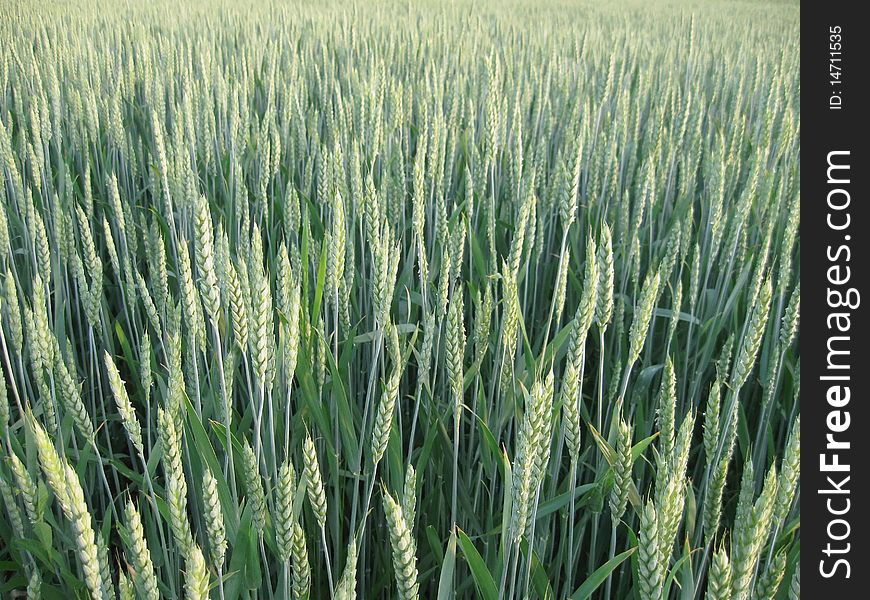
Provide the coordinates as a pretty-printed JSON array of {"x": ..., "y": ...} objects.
[
  {"x": 258, "y": 260},
  {"x": 404, "y": 550}
]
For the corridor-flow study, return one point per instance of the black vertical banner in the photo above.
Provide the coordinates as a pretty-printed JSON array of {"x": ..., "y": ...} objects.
[{"x": 835, "y": 231}]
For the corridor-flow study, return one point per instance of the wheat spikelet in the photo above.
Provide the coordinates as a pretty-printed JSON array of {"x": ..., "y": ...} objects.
[
  {"x": 482, "y": 323},
  {"x": 642, "y": 316},
  {"x": 51, "y": 463},
  {"x": 561, "y": 285},
  {"x": 621, "y": 472},
  {"x": 404, "y": 550},
  {"x": 122, "y": 401},
  {"x": 790, "y": 318},
  {"x": 12, "y": 310},
  {"x": 238, "y": 307},
  {"x": 604, "y": 296},
  {"x": 790, "y": 472},
  {"x": 38, "y": 330},
  {"x": 769, "y": 580},
  {"x": 126, "y": 590},
  {"x": 80, "y": 518},
  {"x": 301, "y": 582},
  {"x": 316, "y": 492},
  {"x": 571, "y": 385},
  {"x": 518, "y": 241},
  {"x": 26, "y": 487},
  {"x": 254, "y": 483},
  {"x": 15, "y": 519},
  {"x": 719, "y": 578},
  {"x": 510, "y": 324},
  {"x": 191, "y": 305},
  {"x": 139, "y": 555},
  {"x": 455, "y": 346},
  {"x": 667, "y": 402},
  {"x": 336, "y": 254},
  {"x": 196, "y": 575},
  {"x": 214, "y": 520},
  {"x": 176, "y": 485},
  {"x": 346, "y": 589},
  {"x": 650, "y": 567},
  {"x": 752, "y": 341},
  {"x": 147, "y": 302},
  {"x": 711, "y": 423},
  {"x": 284, "y": 519},
  {"x": 34, "y": 585},
  {"x": 205, "y": 257},
  {"x": 751, "y": 524}
]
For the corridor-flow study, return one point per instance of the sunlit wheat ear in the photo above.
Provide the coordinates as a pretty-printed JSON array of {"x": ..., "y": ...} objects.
[
  {"x": 80, "y": 519},
  {"x": 604, "y": 297},
  {"x": 769, "y": 580},
  {"x": 509, "y": 326},
  {"x": 719, "y": 577},
  {"x": 752, "y": 340},
  {"x": 791, "y": 317},
  {"x": 126, "y": 589},
  {"x": 409, "y": 497},
  {"x": 196, "y": 575},
  {"x": 144, "y": 295},
  {"x": 346, "y": 589},
  {"x": 642, "y": 316},
  {"x": 404, "y": 550},
  {"x": 26, "y": 487},
  {"x": 752, "y": 523},
  {"x": 532, "y": 453},
  {"x": 122, "y": 401},
  {"x": 70, "y": 396},
  {"x": 214, "y": 520},
  {"x": 176, "y": 485},
  {"x": 519, "y": 237},
  {"x": 621, "y": 472},
  {"x": 238, "y": 308},
  {"x": 314, "y": 486},
  {"x": 205, "y": 257},
  {"x": 138, "y": 554},
  {"x": 384, "y": 416},
  {"x": 51, "y": 463},
  {"x": 283, "y": 280},
  {"x": 191, "y": 305},
  {"x": 38, "y": 330},
  {"x": 284, "y": 519},
  {"x": 456, "y": 347},
  {"x": 11, "y": 310},
  {"x": 667, "y": 401},
  {"x": 262, "y": 317},
  {"x": 336, "y": 253},
  {"x": 723, "y": 364},
  {"x": 482, "y": 323},
  {"x": 111, "y": 249},
  {"x": 301, "y": 571},
  {"x": 256, "y": 494},
  {"x": 711, "y": 423},
  {"x": 34, "y": 585},
  {"x": 457, "y": 248},
  {"x": 650, "y": 567},
  {"x": 16, "y": 520},
  {"x": 789, "y": 474}
]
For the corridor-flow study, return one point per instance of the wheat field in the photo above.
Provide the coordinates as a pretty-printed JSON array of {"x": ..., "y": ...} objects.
[{"x": 399, "y": 300}]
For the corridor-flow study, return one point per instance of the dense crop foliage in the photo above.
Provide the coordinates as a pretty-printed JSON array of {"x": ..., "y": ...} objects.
[{"x": 399, "y": 301}]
